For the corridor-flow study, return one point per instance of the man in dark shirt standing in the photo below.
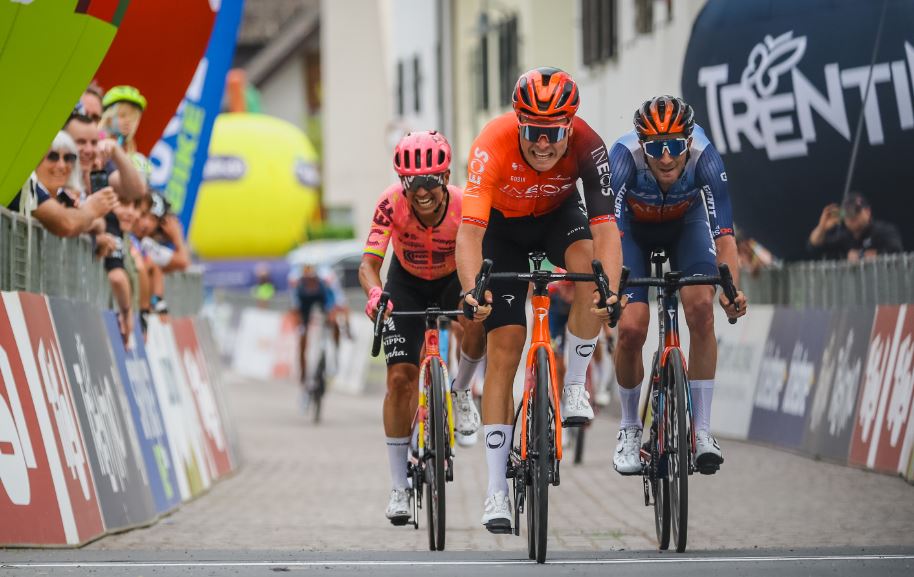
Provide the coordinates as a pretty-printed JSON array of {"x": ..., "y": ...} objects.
[{"x": 849, "y": 232}]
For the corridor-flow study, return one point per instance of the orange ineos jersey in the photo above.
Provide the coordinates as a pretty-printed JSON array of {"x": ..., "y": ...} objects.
[{"x": 498, "y": 176}]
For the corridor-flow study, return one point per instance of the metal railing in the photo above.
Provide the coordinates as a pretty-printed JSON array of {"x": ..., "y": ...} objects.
[
  {"x": 887, "y": 279},
  {"x": 34, "y": 260}
]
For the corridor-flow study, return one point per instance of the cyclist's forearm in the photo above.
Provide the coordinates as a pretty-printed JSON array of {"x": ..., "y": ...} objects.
[
  {"x": 370, "y": 273},
  {"x": 607, "y": 248},
  {"x": 469, "y": 254},
  {"x": 727, "y": 254}
]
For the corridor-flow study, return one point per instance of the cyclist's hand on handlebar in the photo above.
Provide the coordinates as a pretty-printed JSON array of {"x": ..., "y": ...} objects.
[
  {"x": 611, "y": 309},
  {"x": 476, "y": 311},
  {"x": 371, "y": 308},
  {"x": 741, "y": 304}
]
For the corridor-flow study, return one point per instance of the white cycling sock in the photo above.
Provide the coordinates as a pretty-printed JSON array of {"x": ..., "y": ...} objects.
[
  {"x": 498, "y": 447},
  {"x": 396, "y": 457},
  {"x": 702, "y": 393},
  {"x": 578, "y": 353},
  {"x": 466, "y": 368},
  {"x": 629, "y": 399}
]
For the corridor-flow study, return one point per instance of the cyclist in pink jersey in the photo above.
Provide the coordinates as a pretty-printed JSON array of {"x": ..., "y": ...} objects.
[{"x": 420, "y": 216}]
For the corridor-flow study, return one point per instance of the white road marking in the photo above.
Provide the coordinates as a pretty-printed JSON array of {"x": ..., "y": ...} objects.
[{"x": 332, "y": 563}]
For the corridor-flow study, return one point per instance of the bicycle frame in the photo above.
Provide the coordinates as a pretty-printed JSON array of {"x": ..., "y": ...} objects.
[{"x": 434, "y": 335}]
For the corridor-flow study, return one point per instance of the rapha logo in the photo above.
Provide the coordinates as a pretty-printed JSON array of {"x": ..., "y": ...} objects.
[
  {"x": 509, "y": 299},
  {"x": 782, "y": 122}
]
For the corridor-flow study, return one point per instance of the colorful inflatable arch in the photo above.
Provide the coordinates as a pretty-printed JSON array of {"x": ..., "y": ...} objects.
[
  {"x": 259, "y": 191},
  {"x": 157, "y": 50},
  {"x": 49, "y": 51}
]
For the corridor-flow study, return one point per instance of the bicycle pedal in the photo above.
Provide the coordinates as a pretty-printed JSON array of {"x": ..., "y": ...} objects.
[
  {"x": 400, "y": 521},
  {"x": 575, "y": 421},
  {"x": 708, "y": 469},
  {"x": 499, "y": 526}
]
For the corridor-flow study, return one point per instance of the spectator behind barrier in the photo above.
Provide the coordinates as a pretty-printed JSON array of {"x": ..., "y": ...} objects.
[
  {"x": 753, "y": 257},
  {"x": 850, "y": 232},
  {"x": 58, "y": 171}
]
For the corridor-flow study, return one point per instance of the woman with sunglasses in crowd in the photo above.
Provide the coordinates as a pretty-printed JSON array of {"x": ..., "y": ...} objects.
[
  {"x": 58, "y": 174},
  {"x": 671, "y": 189},
  {"x": 419, "y": 215}
]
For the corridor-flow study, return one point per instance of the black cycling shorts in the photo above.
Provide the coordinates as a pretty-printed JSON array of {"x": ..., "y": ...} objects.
[
  {"x": 404, "y": 336},
  {"x": 508, "y": 243}
]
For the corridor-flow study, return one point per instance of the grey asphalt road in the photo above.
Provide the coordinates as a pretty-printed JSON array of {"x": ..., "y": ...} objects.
[{"x": 311, "y": 499}]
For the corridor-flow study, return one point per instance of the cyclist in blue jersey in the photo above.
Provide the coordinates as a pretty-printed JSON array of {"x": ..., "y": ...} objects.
[{"x": 670, "y": 190}]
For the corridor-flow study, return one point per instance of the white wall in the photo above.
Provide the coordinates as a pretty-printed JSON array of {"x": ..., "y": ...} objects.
[
  {"x": 283, "y": 94},
  {"x": 356, "y": 106},
  {"x": 646, "y": 65},
  {"x": 413, "y": 34}
]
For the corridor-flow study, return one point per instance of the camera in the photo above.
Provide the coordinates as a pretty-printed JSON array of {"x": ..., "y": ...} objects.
[{"x": 98, "y": 179}]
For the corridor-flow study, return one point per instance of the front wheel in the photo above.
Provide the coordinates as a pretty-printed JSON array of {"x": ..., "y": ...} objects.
[
  {"x": 541, "y": 442},
  {"x": 437, "y": 443},
  {"x": 678, "y": 446}
]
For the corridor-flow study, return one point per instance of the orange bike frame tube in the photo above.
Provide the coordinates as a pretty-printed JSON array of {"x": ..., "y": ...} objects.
[{"x": 540, "y": 338}]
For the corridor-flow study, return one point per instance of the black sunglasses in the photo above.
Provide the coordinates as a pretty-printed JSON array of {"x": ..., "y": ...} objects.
[
  {"x": 533, "y": 132},
  {"x": 426, "y": 181},
  {"x": 68, "y": 157}
]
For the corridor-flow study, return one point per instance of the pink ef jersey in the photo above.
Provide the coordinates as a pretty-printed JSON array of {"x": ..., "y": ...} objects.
[{"x": 425, "y": 252}]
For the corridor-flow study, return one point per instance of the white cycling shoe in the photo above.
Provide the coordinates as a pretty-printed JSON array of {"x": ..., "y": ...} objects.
[
  {"x": 576, "y": 409},
  {"x": 466, "y": 416},
  {"x": 708, "y": 458},
  {"x": 496, "y": 515},
  {"x": 627, "y": 459},
  {"x": 399, "y": 508}
]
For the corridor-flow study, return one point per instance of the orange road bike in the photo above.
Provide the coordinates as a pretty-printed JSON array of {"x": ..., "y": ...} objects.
[
  {"x": 667, "y": 457},
  {"x": 432, "y": 449},
  {"x": 535, "y": 458}
]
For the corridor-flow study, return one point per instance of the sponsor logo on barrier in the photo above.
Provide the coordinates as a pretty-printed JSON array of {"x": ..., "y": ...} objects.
[
  {"x": 16, "y": 453},
  {"x": 800, "y": 378}
]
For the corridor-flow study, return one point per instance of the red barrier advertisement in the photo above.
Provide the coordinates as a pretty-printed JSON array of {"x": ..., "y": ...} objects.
[
  {"x": 43, "y": 397},
  {"x": 882, "y": 436},
  {"x": 201, "y": 386}
]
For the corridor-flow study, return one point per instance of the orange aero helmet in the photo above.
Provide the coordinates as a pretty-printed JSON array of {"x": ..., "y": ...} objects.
[
  {"x": 664, "y": 115},
  {"x": 545, "y": 92}
]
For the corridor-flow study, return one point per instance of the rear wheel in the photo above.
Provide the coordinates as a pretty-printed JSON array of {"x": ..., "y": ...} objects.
[
  {"x": 678, "y": 435},
  {"x": 319, "y": 387},
  {"x": 542, "y": 459},
  {"x": 436, "y": 432}
]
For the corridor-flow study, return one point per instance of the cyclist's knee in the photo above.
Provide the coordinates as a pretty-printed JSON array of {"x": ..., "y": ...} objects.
[
  {"x": 400, "y": 379},
  {"x": 631, "y": 336},
  {"x": 699, "y": 313}
]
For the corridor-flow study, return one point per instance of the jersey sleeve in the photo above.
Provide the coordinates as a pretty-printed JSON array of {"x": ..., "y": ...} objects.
[
  {"x": 482, "y": 181},
  {"x": 595, "y": 174},
  {"x": 712, "y": 179},
  {"x": 621, "y": 172},
  {"x": 381, "y": 224}
]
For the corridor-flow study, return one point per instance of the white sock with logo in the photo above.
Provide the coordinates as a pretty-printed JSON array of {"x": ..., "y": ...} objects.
[
  {"x": 466, "y": 368},
  {"x": 498, "y": 447},
  {"x": 702, "y": 393},
  {"x": 578, "y": 353},
  {"x": 396, "y": 457},
  {"x": 629, "y": 399}
]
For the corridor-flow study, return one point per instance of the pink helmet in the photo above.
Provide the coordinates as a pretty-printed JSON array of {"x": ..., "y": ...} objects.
[{"x": 420, "y": 153}]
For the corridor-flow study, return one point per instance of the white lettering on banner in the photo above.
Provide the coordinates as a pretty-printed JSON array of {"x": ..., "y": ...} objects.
[
  {"x": 782, "y": 123},
  {"x": 104, "y": 420},
  {"x": 14, "y": 465},
  {"x": 902, "y": 387},
  {"x": 163, "y": 155},
  {"x": 53, "y": 377},
  {"x": 209, "y": 412},
  {"x": 844, "y": 388},
  {"x": 140, "y": 381},
  {"x": 800, "y": 378},
  {"x": 772, "y": 376},
  {"x": 872, "y": 384}
]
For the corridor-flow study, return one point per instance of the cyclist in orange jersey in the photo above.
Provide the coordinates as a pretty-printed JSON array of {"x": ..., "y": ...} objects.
[{"x": 522, "y": 195}]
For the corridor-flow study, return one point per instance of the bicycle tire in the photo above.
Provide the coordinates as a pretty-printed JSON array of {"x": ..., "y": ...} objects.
[
  {"x": 579, "y": 436},
  {"x": 542, "y": 463},
  {"x": 320, "y": 386},
  {"x": 435, "y": 466},
  {"x": 660, "y": 484},
  {"x": 679, "y": 448}
]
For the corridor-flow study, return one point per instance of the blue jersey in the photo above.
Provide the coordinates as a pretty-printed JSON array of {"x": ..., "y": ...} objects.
[{"x": 639, "y": 198}]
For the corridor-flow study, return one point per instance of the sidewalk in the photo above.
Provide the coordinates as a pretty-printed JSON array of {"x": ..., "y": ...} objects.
[{"x": 325, "y": 488}]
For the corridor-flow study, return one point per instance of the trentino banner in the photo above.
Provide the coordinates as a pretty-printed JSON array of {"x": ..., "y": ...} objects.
[
  {"x": 781, "y": 88},
  {"x": 178, "y": 157}
]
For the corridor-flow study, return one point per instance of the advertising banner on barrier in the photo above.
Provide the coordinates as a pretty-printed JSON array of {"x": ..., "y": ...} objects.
[
  {"x": 201, "y": 387},
  {"x": 104, "y": 416},
  {"x": 139, "y": 389},
  {"x": 181, "y": 422},
  {"x": 786, "y": 378},
  {"x": 884, "y": 403},
  {"x": 213, "y": 359},
  {"x": 256, "y": 343},
  {"x": 739, "y": 354},
  {"x": 76, "y": 507},
  {"x": 831, "y": 415}
]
